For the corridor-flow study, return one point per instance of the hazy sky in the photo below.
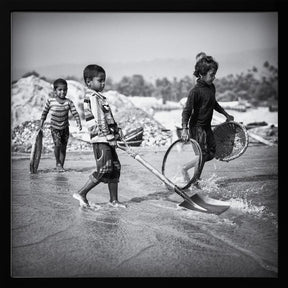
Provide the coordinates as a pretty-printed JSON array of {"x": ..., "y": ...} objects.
[{"x": 48, "y": 38}]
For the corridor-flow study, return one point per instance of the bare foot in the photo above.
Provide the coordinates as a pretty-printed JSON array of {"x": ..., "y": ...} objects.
[
  {"x": 82, "y": 200},
  {"x": 59, "y": 168},
  {"x": 116, "y": 203}
]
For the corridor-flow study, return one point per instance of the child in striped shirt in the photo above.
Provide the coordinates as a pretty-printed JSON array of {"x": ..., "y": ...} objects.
[
  {"x": 104, "y": 134},
  {"x": 59, "y": 125}
]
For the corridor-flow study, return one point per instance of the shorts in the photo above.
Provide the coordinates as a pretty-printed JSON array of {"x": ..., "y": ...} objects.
[
  {"x": 205, "y": 138},
  {"x": 60, "y": 137},
  {"x": 108, "y": 166}
]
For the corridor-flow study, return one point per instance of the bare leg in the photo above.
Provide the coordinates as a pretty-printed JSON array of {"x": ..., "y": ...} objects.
[
  {"x": 57, "y": 152},
  {"x": 62, "y": 155},
  {"x": 200, "y": 169},
  {"x": 113, "y": 190},
  {"x": 189, "y": 165},
  {"x": 196, "y": 183},
  {"x": 81, "y": 194}
]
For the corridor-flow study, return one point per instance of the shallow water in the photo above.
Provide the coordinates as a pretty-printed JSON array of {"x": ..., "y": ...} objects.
[{"x": 53, "y": 237}]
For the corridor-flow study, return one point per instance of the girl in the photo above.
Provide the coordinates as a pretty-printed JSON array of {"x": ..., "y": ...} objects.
[{"x": 198, "y": 112}]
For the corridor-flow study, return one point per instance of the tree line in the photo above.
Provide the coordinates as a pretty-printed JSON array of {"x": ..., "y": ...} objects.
[{"x": 255, "y": 86}]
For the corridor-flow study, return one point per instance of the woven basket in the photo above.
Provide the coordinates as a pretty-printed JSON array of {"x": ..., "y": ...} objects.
[{"x": 231, "y": 140}]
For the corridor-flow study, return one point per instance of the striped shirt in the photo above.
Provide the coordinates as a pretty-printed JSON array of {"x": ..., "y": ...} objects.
[
  {"x": 99, "y": 117},
  {"x": 59, "y": 113}
]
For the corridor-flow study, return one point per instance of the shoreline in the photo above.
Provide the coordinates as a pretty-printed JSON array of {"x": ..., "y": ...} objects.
[{"x": 26, "y": 155}]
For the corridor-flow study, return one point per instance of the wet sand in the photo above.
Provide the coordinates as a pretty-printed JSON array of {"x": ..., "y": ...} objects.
[{"x": 53, "y": 237}]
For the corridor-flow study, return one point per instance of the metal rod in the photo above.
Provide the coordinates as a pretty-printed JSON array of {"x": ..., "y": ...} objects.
[{"x": 159, "y": 175}]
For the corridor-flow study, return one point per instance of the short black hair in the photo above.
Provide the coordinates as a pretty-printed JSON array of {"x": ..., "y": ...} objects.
[
  {"x": 58, "y": 82},
  {"x": 204, "y": 65},
  {"x": 92, "y": 71}
]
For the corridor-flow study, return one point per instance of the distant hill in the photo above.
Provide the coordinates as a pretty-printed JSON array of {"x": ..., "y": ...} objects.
[{"x": 230, "y": 63}]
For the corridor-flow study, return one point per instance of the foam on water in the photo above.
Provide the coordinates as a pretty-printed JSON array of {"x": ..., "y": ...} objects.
[
  {"x": 239, "y": 202},
  {"x": 210, "y": 185},
  {"x": 246, "y": 206}
]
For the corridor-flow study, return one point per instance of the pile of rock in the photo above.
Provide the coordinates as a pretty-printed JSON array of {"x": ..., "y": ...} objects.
[
  {"x": 128, "y": 119},
  {"x": 29, "y": 96},
  {"x": 23, "y": 135},
  {"x": 154, "y": 134}
]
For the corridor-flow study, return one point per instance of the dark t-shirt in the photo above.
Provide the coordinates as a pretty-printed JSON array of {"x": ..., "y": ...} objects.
[{"x": 200, "y": 104}]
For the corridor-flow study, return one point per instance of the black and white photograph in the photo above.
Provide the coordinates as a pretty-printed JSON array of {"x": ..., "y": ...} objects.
[{"x": 144, "y": 144}]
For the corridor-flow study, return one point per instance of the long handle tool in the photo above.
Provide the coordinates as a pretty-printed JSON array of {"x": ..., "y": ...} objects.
[{"x": 194, "y": 202}]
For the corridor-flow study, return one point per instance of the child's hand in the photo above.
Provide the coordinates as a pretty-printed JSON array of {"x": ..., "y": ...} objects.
[
  {"x": 112, "y": 143},
  {"x": 119, "y": 134},
  {"x": 185, "y": 134},
  {"x": 230, "y": 118},
  {"x": 111, "y": 140},
  {"x": 117, "y": 137}
]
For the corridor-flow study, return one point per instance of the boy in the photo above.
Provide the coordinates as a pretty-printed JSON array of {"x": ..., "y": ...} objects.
[
  {"x": 59, "y": 107},
  {"x": 104, "y": 133},
  {"x": 198, "y": 111}
]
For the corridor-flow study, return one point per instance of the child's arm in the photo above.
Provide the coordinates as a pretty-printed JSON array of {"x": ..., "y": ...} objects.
[
  {"x": 75, "y": 114},
  {"x": 221, "y": 110},
  {"x": 186, "y": 114},
  {"x": 44, "y": 113},
  {"x": 187, "y": 110}
]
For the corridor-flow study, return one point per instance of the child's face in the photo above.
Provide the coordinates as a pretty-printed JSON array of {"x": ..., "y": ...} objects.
[
  {"x": 209, "y": 77},
  {"x": 61, "y": 91},
  {"x": 97, "y": 83}
]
